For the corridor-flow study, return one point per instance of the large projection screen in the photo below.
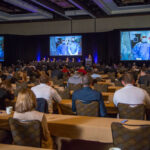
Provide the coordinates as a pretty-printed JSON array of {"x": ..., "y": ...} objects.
[
  {"x": 66, "y": 45},
  {"x": 135, "y": 45}
]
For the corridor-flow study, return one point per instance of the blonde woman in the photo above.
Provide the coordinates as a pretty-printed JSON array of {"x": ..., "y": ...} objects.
[{"x": 25, "y": 110}]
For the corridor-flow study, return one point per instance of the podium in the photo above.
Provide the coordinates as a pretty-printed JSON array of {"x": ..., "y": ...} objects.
[{"x": 88, "y": 62}]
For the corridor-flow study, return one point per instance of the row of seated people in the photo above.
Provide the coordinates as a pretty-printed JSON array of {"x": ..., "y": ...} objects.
[
  {"x": 25, "y": 112},
  {"x": 86, "y": 94},
  {"x": 49, "y": 92}
]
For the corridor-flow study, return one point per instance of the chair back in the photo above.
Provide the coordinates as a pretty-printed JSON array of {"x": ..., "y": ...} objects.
[
  {"x": 26, "y": 133},
  {"x": 101, "y": 87},
  {"x": 5, "y": 137},
  {"x": 87, "y": 109},
  {"x": 42, "y": 105},
  {"x": 126, "y": 138},
  {"x": 131, "y": 111},
  {"x": 74, "y": 87},
  {"x": 146, "y": 88},
  {"x": 64, "y": 94}
]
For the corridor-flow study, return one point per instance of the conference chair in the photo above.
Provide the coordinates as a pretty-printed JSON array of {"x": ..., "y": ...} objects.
[
  {"x": 131, "y": 137},
  {"x": 131, "y": 111},
  {"x": 74, "y": 87},
  {"x": 26, "y": 133},
  {"x": 42, "y": 105},
  {"x": 87, "y": 109},
  {"x": 5, "y": 137},
  {"x": 101, "y": 87},
  {"x": 147, "y": 88},
  {"x": 64, "y": 94}
]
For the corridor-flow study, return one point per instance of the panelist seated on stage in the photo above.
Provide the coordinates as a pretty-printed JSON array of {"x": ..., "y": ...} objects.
[
  {"x": 75, "y": 78},
  {"x": 130, "y": 94},
  {"x": 86, "y": 94}
]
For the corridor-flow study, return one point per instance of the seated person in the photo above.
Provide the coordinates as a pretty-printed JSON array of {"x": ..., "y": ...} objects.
[
  {"x": 144, "y": 78},
  {"x": 82, "y": 70},
  {"x": 43, "y": 90},
  {"x": 87, "y": 94},
  {"x": 5, "y": 93},
  {"x": 25, "y": 110},
  {"x": 130, "y": 94},
  {"x": 95, "y": 74},
  {"x": 56, "y": 72},
  {"x": 75, "y": 79}
]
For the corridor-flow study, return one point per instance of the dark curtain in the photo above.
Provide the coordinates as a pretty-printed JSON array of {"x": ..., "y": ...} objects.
[{"x": 104, "y": 47}]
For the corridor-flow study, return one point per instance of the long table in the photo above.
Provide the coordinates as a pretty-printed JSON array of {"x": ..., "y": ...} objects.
[
  {"x": 80, "y": 127},
  {"x": 16, "y": 147}
]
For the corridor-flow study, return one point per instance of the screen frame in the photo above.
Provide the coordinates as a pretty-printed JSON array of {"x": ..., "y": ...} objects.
[
  {"x": 3, "y": 47},
  {"x": 129, "y": 30},
  {"x": 62, "y": 35}
]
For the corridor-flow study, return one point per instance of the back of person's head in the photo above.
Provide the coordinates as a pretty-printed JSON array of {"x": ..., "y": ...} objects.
[
  {"x": 26, "y": 101},
  {"x": 6, "y": 84},
  {"x": 143, "y": 71},
  {"x": 82, "y": 67},
  {"x": 86, "y": 80},
  {"x": 44, "y": 79},
  {"x": 128, "y": 78}
]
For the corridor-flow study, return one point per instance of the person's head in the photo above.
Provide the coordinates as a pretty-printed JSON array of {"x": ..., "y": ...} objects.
[
  {"x": 26, "y": 101},
  {"x": 95, "y": 70},
  {"x": 82, "y": 67},
  {"x": 144, "y": 38},
  {"x": 6, "y": 84},
  {"x": 143, "y": 72},
  {"x": 86, "y": 80},
  {"x": 44, "y": 79},
  {"x": 72, "y": 39},
  {"x": 76, "y": 72},
  {"x": 127, "y": 78}
]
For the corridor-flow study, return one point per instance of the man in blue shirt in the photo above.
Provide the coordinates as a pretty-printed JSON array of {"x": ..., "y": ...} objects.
[{"x": 87, "y": 95}]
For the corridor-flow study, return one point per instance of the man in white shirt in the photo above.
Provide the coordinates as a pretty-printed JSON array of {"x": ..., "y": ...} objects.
[
  {"x": 130, "y": 94},
  {"x": 43, "y": 90}
]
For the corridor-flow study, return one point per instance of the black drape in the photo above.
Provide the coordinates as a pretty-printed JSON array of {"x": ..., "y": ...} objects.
[{"x": 104, "y": 46}]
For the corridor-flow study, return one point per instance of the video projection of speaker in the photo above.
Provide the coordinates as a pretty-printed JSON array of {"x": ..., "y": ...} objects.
[
  {"x": 135, "y": 45},
  {"x": 1, "y": 48},
  {"x": 66, "y": 45}
]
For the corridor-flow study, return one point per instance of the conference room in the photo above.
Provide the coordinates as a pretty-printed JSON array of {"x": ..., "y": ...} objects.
[{"x": 74, "y": 74}]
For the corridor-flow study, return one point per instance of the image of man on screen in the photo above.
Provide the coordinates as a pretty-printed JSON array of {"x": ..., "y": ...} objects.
[
  {"x": 141, "y": 51},
  {"x": 73, "y": 47},
  {"x": 62, "y": 48}
]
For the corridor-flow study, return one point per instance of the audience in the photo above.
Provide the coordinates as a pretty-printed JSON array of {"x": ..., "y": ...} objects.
[
  {"x": 86, "y": 94},
  {"x": 25, "y": 110}
]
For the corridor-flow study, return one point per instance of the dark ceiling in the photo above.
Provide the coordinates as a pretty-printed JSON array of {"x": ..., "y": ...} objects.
[
  {"x": 131, "y": 2},
  {"x": 35, "y": 10}
]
